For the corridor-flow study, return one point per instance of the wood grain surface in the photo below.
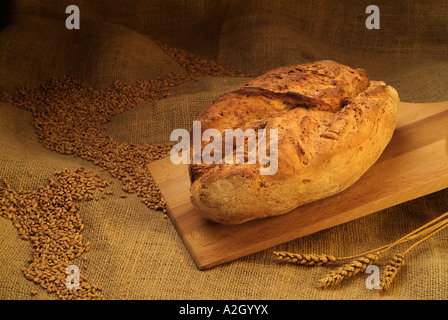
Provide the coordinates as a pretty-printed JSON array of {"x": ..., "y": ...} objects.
[{"x": 414, "y": 164}]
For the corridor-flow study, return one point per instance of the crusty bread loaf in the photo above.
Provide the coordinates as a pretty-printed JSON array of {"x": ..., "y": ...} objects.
[{"x": 333, "y": 124}]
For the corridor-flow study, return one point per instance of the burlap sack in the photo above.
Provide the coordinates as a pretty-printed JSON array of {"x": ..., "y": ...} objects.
[{"x": 136, "y": 253}]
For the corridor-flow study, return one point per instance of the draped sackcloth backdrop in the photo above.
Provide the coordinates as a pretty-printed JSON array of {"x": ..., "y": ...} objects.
[{"x": 136, "y": 252}]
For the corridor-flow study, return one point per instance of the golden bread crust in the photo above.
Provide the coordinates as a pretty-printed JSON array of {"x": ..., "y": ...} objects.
[{"x": 333, "y": 124}]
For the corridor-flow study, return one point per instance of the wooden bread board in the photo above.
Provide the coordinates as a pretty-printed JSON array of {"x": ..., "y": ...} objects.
[{"x": 414, "y": 164}]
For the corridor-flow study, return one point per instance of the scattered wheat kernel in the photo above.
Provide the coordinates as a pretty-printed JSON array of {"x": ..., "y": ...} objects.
[{"x": 65, "y": 102}]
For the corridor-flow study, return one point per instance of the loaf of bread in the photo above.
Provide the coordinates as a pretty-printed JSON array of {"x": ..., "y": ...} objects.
[{"x": 333, "y": 123}]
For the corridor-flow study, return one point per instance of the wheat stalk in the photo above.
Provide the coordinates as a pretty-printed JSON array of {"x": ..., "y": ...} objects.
[
  {"x": 397, "y": 261},
  {"x": 321, "y": 259},
  {"x": 425, "y": 229},
  {"x": 362, "y": 260}
]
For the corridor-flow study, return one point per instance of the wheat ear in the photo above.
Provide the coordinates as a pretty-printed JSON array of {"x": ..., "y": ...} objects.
[
  {"x": 391, "y": 271},
  {"x": 348, "y": 270},
  {"x": 305, "y": 259},
  {"x": 397, "y": 261}
]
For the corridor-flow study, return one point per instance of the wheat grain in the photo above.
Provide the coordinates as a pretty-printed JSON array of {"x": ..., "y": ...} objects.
[
  {"x": 48, "y": 217},
  {"x": 69, "y": 118}
]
